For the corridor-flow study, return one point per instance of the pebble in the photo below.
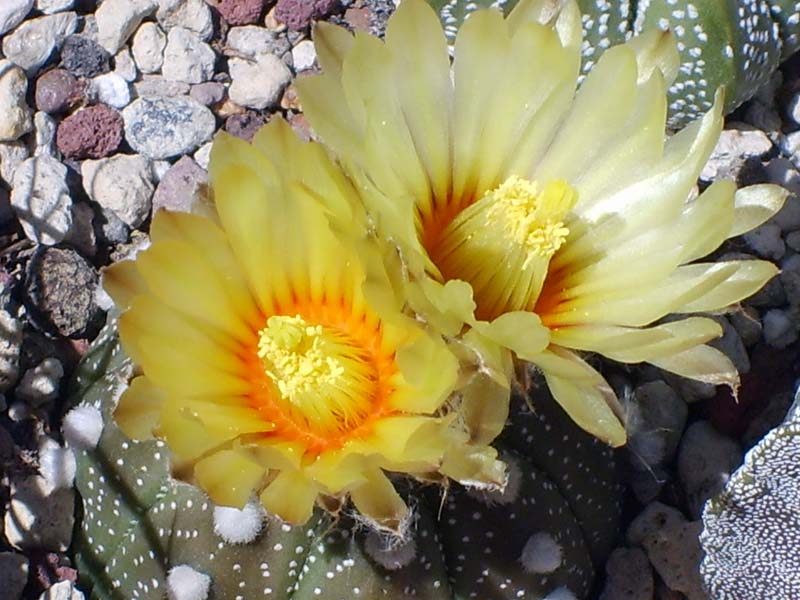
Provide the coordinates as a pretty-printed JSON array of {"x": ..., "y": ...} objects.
[
  {"x": 790, "y": 146},
  {"x": 766, "y": 241},
  {"x": 44, "y": 127},
  {"x": 652, "y": 519},
  {"x": 118, "y": 19},
  {"x": 148, "y": 47},
  {"x": 208, "y": 93},
  {"x": 793, "y": 108},
  {"x": 241, "y": 12},
  {"x": 747, "y": 323},
  {"x": 793, "y": 240},
  {"x": 6, "y": 212},
  {"x": 111, "y": 89},
  {"x": 250, "y": 42},
  {"x": 675, "y": 553},
  {"x": 40, "y": 384},
  {"x": 790, "y": 278},
  {"x": 734, "y": 148},
  {"x": 84, "y": 57},
  {"x": 304, "y": 56},
  {"x": 181, "y": 186},
  {"x": 56, "y": 463},
  {"x": 656, "y": 418},
  {"x": 112, "y": 229},
  {"x": 705, "y": 460},
  {"x": 156, "y": 85},
  {"x": 298, "y": 14},
  {"x": 50, "y": 7},
  {"x": 258, "y": 84},
  {"x": 60, "y": 292},
  {"x": 123, "y": 184},
  {"x": 203, "y": 155},
  {"x": 629, "y": 576},
  {"x": 12, "y": 155},
  {"x": 781, "y": 172},
  {"x": 244, "y": 125},
  {"x": 159, "y": 127},
  {"x": 32, "y": 43},
  {"x": 731, "y": 344},
  {"x": 39, "y": 517},
  {"x": 124, "y": 66},
  {"x": 63, "y": 590},
  {"x": 41, "y": 199},
  {"x": 12, "y": 12},
  {"x": 194, "y": 15},
  {"x": 92, "y": 132},
  {"x": 15, "y": 114},
  {"x": 780, "y": 330},
  {"x": 57, "y": 91},
  {"x": 10, "y": 346},
  {"x": 187, "y": 58},
  {"x": 13, "y": 574},
  {"x": 81, "y": 235}
]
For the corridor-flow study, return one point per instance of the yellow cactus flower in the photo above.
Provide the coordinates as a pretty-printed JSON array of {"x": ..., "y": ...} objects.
[
  {"x": 547, "y": 218},
  {"x": 270, "y": 364}
]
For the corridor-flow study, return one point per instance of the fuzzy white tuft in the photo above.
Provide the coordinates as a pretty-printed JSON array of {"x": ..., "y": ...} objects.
[
  {"x": 541, "y": 554},
  {"x": 56, "y": 464},
  {"x": 239, "y": 526},
  {"x": 184, "y": 583},
  {"x": 562, "y": 593},
  {"x": 390, "y": 552},
  {"x": 83, "y": 426}
]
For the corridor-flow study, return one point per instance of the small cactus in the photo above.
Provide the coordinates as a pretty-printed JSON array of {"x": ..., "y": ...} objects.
[{"x": 142, "y": 534}]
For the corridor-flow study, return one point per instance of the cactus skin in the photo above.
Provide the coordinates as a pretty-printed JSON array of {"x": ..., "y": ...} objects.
[
  {"x": 136, "y": 523},
  {"x": 735, "y": 43}
]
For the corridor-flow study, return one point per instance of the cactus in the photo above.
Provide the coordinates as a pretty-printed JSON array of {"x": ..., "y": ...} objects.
[
  {"x": 142, "y": 534},
  {"x": 735, "y": 43}
]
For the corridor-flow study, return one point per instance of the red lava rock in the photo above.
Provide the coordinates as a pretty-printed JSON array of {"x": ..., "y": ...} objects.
[
  {"x": 244, "y": 125},
  {"x": 241, "y": 12},
  {"x": 57, "y": 91},
  {"x": 298, "y": 14},
  {"x": 92, "y": 132}
]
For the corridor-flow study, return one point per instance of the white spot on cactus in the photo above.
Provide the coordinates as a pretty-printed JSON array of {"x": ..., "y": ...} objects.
[
  {"x": 83, "y": 426},
  {"x": 184, "y": 583},
  {"x": 239, "y": 526},
  {"x": 541, "y": 554},
  {"x": 510, "y": 492},
  {"x": 562, "y": 593},
  {"x": 56, "y": 464},
  {"x": 389, "y": 551}
]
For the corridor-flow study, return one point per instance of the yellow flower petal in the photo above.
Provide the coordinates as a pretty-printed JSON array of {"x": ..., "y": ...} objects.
[
  {"x": 475, "y": 467},
  {"x": 123, "y": 282},
  {"x": 228, "y": 477},
  {"x": 520, "y": 331},
  {"x": 290, "y": 496},
  {"x": 139, "y": 409},
  {"x": 377, "y": 500},
  {"x": 430, "y": 370},
  {"x": 483, "y": 409},
  {"x": 754, "y": 205},
  {"x": 332, "y": 44},
  {"x": 656, "y": 49},
  {"x": 702, "y": 363}
]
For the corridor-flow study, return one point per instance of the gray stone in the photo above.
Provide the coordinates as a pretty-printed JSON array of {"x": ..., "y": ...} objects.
[
  {"x": 656, "y": 418},
  {"x": 39, "y": 385},
  {"x": 793, "y": 240},
  {"x": 653, "y": 518},
  {"x": 12, "y": 12},
  {"x": 187, "y": 58},
  {"x": 10, "y": 346},
  {"x": 123, "y": 184},
  {"x": 731, "y": 345},
  {"x": 156, "y": 85},
  {"x": 675, "y": 553},
  {"x": 50, "y": 7},
  {"x": 12, "y": 155},
  {"x": 38, "y": 516},
  {"x": 111, "y": 89},
  {"x": 15, "y": 114},
  {"x": 251, "y": 41},
  {"x": 734, "y": 148},
  {"x": 766, "y": 241},
  {"x": 148, "y": 47},
  {"x": 780, "y": 330},
  {"x": 41, "y": 199},
  {"x": 304, "y": 56},
  {"x": 6, "y": 212},
  {"x": 781, "y": 172},
  {"x": 13, "y": 574},
  {"x": 160, "y": 127},
  {"x": 790, "y": 278},
  {"x": 793, "y": 108},
  {"x": 118, "y": 19},
  {"x": 208, "y": 93},
  {"x": 194, "y": 15},
  {"x": 44, "y": 127},
  {"x": 124, "y": 66},
  {"x": 63, "y": 590},
  {"x": 747, "y": 323},
  {"x": 32, "y": 43},
  {"x": 181, "y": 186},
  {"x": 705, "y": 460},
  {"x": 258, "y": 83},
  {"x": 628, "y": 576},
  {"x": 82, "y": 235}
]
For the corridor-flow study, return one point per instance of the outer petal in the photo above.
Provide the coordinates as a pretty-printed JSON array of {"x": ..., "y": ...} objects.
[
  {"x": 754, "y": 205},
  {"x": 430, "y": 370},
  {"x": 139, "y": 409},
  {"x": 123, "y": 282},
  {"x": 228, "y": 477},
  {"x": 290, "y": 496},
  {"x": 520, "y": 331},
  {"x": 377, "y": 499},
  {"x": 475, "y": 466},
  {"x": 702, "y": 363}
]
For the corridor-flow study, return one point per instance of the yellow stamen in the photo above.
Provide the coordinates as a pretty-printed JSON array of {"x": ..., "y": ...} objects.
[
  {"x": 323, "y": 377},
  {"x": 502, "y": 244}
]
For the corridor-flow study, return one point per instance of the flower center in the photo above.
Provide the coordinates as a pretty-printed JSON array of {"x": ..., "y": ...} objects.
[
  {"x": 323, "y": 377},
  {"x": 502, "y": 244}
]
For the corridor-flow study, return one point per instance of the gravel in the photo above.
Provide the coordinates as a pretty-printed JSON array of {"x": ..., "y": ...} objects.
[
  {"x": 15, "y": 114},
  {"x": 41, "y": 199}
]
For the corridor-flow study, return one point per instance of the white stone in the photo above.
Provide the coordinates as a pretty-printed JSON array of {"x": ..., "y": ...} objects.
[
  {"x": 38, "y": 516},
  {"x": 50, "y": 7},
  {"x": 111, "y": 89},
  {"x": 250, "y": 41},
  {"x": 13, "y": 574},
  {"x": 541, "y": 554},
  {"x": 258, "y": 84},
  {"x": 779, "y": 329},
  {"x": 203, "y": 156},
  {"x": 734, "y": 147},
  {"x": 184, "y": 583},
  {"x": 124, "y": 66},
  {"x": 118, "y": 19},
  {"x": 187, "y": 58},
  {"x": 82, "y": 427},
  {"x": 194, "y": 15},
  {"x": 44, "y": 127},
  {"x": 12, "y": 155},
  {"x": 148, "y": 47},
  {"x": 122, "y": 184},
  {"x": 63, "y": 590},
  {"x": 12, "y": 12},
  {"x": 40, "y": 198},
  {"x": 56, "y": 464},
  {"x": 10, "y": 346},
  {"x": 304, "y": 56},
  {"x": 15, "y": 114},
  {"x": 39, "y": 384},
  {"x": 239, "y": 526},
  {"x": 766, "y": 241},
  {"x": 782, "y": 172},
  {"x": 160, "y": 127},
  {"x": 32, "y": 43},
  {"x": 793, "y": 108}
]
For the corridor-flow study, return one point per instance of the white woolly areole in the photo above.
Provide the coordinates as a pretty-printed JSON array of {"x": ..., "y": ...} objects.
[
  {"x": 83, "y": 426},
  {"x": 239, "y": 526},
  {"x": 562, "y": 593},
  {"x": 390, "y": 552},
  {"x": 508, "y": 494},
  {"x": 184, "y": 583},
  {"x": 56, "y": 464},
  {"x": 541, "y": 554}
]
